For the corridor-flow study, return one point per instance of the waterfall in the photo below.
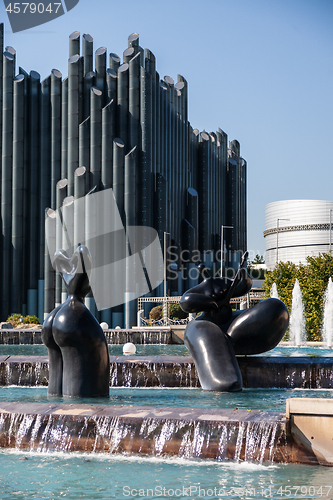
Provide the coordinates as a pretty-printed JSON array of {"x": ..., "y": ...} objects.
[
  {"x": 120, "y": 336},
  {"x": 297, "y": 321},
  {"x": 251, "y": 441},
  {"x": 148, "y": 373},
  {"x": 26, "y": 373},
  {"x": 328, "y": 314}
]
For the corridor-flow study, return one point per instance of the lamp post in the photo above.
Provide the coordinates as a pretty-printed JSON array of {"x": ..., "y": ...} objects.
[
  {"x": 165, "y": 308},
  {"x": 222, "y": 246},
  {"x": 277, "y": 239},
  {"x": 331, "y": 210}
]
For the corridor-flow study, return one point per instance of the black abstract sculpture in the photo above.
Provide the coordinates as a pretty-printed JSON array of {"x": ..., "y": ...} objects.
[
  {"x": 79, "y": 363},
  {"x": 219, "y": 333}
]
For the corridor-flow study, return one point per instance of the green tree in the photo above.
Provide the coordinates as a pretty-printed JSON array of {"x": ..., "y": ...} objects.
[
  {"x": 313, "y": 278},
  {"x": 253, "y": 268},
  {"x": 284, "y": 276},
  {"x": 259, "y": 259},
  {"x": 313, "y": 282}
]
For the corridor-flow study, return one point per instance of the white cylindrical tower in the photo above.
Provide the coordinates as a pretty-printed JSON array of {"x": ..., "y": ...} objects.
[{"x": 296, "y": 229}]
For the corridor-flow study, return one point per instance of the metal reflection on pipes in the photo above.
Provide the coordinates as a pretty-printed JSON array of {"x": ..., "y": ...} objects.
[
  {"x": 100, "y": 68},
  {"x": 114, "y": 61},
  {"x": 108, "y": 133},
  {"x": 74, "y": 43},
  {"x": 95, "y": 136},
  {"x": 73, "y": 120},
  {"x": 122, "y": 102},
  {"x": 87, "y": 52},
  {"x": 6, "y": 176},
  {"x": 111, "y": 85},
  {"x": 55, "y": 132},
  {"x": 17, "y": 200},
  {"x": 34, "y": 128}
]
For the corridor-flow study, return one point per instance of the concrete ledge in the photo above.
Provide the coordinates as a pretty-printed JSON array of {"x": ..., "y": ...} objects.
[
  {"x": 24, "y": 336},
  {"x": 310, "y": 424},
  {"x": 309, "y": 406},
  {"x": 287, "y": 372},
  {"x": 180, "y": 371},
  {"x": 201, "y": 433},
  {"x": 160, "y": 335}
]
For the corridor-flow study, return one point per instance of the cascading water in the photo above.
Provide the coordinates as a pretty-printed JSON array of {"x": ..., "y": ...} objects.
[
  {"x": 297, "y": 319},
  {"x": 274, "y": 292},
  {"x": 250, "y": 441},
  {"x": 328, "y": 314}
]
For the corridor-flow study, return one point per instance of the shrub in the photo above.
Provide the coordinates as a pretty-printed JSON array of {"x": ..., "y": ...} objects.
[
  {"x": 176, "y": 312},
  {"x": 15, "y": 320},
  {"x": 31, "y": 320},
  {"x": 156, "y": 313}
]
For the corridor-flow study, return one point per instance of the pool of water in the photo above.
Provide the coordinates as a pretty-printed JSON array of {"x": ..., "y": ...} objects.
[
  {"x": 247, "y": 399},
  {"x": 72, "y": 476},
  {"x": 163, "y": 350}
]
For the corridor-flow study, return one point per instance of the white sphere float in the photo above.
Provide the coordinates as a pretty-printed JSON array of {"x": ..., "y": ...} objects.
[{"x": 129, "y": 349}]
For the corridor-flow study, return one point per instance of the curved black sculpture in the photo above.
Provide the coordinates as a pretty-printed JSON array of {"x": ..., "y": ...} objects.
[
  {"x": 218, "y": 334},
  {"x": 79, "y": 363}
]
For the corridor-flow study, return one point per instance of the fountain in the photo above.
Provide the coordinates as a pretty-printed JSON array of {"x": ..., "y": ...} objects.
[
  {"x": 274, "y": 292},
  {"x": 297, "y": 321},
  {"x": 207, "y": 427},
  {"x": 328, "y": 314}
]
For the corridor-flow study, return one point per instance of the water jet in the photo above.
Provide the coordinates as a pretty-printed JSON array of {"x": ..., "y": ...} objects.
[{"x": 297, "y": 319}]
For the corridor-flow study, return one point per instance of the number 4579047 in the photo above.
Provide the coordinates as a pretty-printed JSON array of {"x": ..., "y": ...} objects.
[{"x": 32, "y": 8}]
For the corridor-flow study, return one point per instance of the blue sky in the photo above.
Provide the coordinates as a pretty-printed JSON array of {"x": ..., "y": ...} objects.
[{"x": 262, "y": 70}]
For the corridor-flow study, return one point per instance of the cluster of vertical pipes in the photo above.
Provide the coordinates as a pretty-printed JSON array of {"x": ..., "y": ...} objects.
[{"x": 109, "y": 124}]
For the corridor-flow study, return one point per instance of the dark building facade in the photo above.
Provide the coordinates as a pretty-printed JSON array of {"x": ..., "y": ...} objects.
[{"x": 63, "y": 136}]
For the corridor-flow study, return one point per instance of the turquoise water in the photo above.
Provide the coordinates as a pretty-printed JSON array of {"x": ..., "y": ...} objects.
[
  {"x": 74, "y": 476},
  {"x": 248, "y": 399},
  {"x": 162, "y": 350}
]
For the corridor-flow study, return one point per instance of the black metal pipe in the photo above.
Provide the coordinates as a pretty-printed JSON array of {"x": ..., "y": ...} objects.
[
  {"x": 74, "y": 43},
  {"x": 64, "y": 128},
  {"x": 114, "y": 61},
  {"x": 100, "y": 68},
  {"x": 87, "y": 52},
  {"x": 111, "y": 85},
  {"x": 73, "y": 120},
  {"x": 95, "y": 136},
  {"x": 55, "y": 132},
  {"x": 34, "y": 209},
  {"x": 6, "y": 178},
  {"x": 49, "y": 274},
  {"x": 122, "y": 103},
  {"x": 45, "y": 182},
  {"x": 62, "y": 186},
  {"x": 134, "y": 136},
  {"x": 17, "y": 200},
  {"x": 84, "y": 150},
  {"x": 79, "y": 206},
  {"x": 132, "y": 274},
  {"x": 108, "y": 134}
]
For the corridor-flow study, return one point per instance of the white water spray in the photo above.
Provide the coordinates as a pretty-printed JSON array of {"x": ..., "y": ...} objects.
[
  {"x": 297, "y": 319},
  {"x": 328, "y": 314},
  {"x": 274, "y": 292}
]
